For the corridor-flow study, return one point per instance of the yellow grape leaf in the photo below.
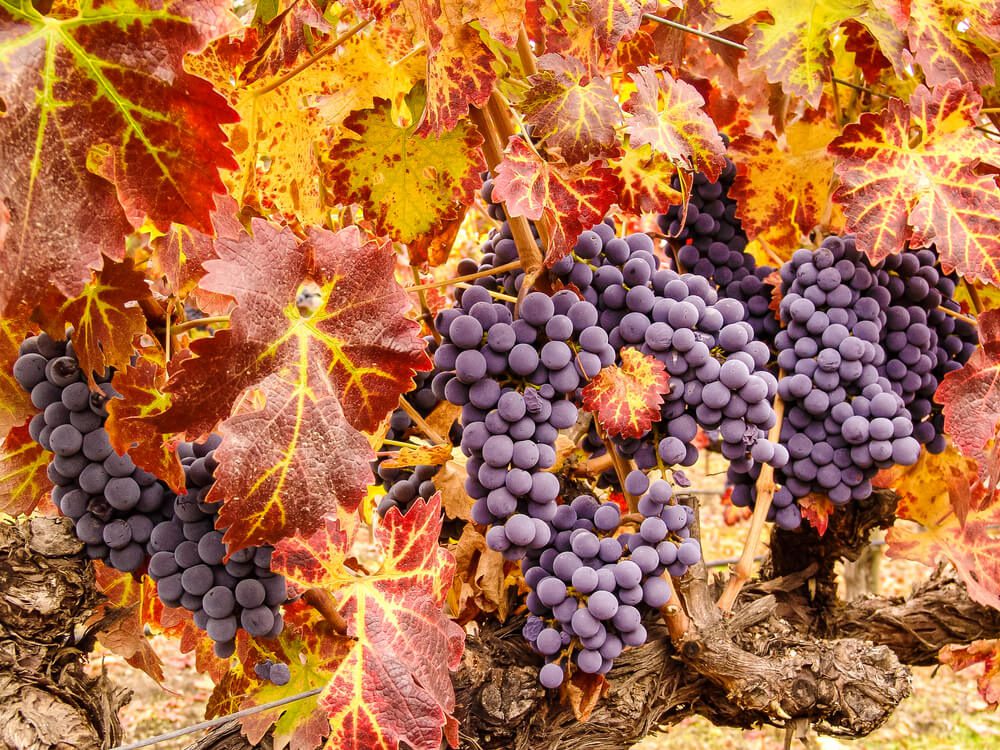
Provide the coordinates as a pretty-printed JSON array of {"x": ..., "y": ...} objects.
[
  {"x": 646, "y": 181},
  {"x": 418, "y": 455},
  {"x": 23, "y": 479},
  {"x": 626, "y": 399}
]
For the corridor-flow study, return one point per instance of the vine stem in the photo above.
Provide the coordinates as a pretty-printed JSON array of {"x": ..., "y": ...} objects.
[
  {"x": 494, "y": 295},
  {"x": 420, "y": 422},
  {"x": 977, "y": 302},
  {"x": 766, "y": 487},
  {"x": 673, "y": 613},
  {"x": 323, "y": 602},
  {"x": 468, "y": 277},
  {"x": 425, "y": 311},
  {"x": 959, "y": 316},
  {"x": 187, "y": 325},
  {"x": 621, "y": 466},
  {"x": 524, "y": 52}
]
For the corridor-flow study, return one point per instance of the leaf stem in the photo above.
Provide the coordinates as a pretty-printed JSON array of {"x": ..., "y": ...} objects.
[
  {"x": 323, "y": 602},
  {"x": 695, "y": 32},
  {"x": 187, "y": 325},
  {"x": 420, "y": 422},
  {"x": 524, "y": 52},
  {"x": 766, "y": 487},
  {"x": 424, "y": 309},
  {"x": 468, "y": 277}
]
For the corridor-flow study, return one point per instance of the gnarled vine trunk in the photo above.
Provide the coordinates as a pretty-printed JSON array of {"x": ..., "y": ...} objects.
[{"x": 47, "y": 591}]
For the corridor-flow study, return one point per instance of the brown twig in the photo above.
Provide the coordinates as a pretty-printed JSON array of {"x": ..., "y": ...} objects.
[
  {"x": 425, "y": 311},
  {"x": 621, "y": 466},
  {"x": 974, "y": 298},
  {"x": 420, "y": 422},
  {"x": 673, "y": 613},
  {"x": 187, "y": 325},
  {"x": 524, "y": 52},
  {"x": 959, "y": 316},
  {"x": 323, "y": 602},
  {"x": 468, "y": 277},
  {"x": 766, "y": 487}
]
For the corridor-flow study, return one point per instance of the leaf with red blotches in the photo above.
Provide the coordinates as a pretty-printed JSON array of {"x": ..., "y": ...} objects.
[
  {"x": 667, "y": 114},
  {"x": 784, "y": 184},
  {"x": 899, "y": 189},
  {"x": 80, "y": 106},
  {"x": 971, "y": 395},
  {"x": 286, "y": 37},
  {"x": 434, "y": 247},
  {"x": 572, "y": 198},
  {"x": 972, "y": 548},
  {"x": 131, "y": 605},
  {"x": 320, "y": 329},
  {"x": 393, "y": 685},
  {"x": 573, "y": 113},
  {"x": 584, "y": 691},
  {"x": 15, "y": 402},
  {"x": 626, "y": 399},
  {"x": 953, "y": 39},
  {"x": 646, "y": 181},
  {"x": 933, "y": 474},
  {"x": 106, "y": 317},
  {"x": 407, "y": 184},
  {"x": 985, "y": 652},
  {"x": 129, "y": 429},
  {"x": 615, "y": 20},
  {"x": 23, "y": 478},
  {"x": 419, "y": 455},
  {"x": 817, "y": 509}
]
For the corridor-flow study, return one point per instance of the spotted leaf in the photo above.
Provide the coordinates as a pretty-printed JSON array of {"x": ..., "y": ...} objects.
[{"x": 626, "y": 398}]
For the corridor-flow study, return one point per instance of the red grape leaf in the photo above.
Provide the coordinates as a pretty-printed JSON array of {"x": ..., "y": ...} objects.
[
  {"x": 104, "y": 322},
  {"x": 81, "y": 103},
  {"x": 794, "y": 48},
  {"x": 407, "y": 184},
  {"x": 141, "y": 386},
  {"x": 131, "y": 605},
  {"x": 15, "y": 402},
  {"x": 574, "y": 114},
  {"x": 972, "y": 548},
  {"x": 23, "y": 479},
  {"x": 985, "y": 652},
  {"x": 394, "y": 684},
  {"x": 952, "y": 39},
  {"x": 285, "y": 38},
  {"x": 646, "y": 181},
  {"x": 784, "y": 186},
  {"x": 572, "y": 198},
  {"x": 897, "y": 189},
  {"x": 667, "y": 114},
  {"x": 817, "y": 509},
  {"x": 434, "y": 455},
  {"x": 971, "y": 395},
  {"x": 615, "y": 20},
  {"x": 626, "y": 399}
]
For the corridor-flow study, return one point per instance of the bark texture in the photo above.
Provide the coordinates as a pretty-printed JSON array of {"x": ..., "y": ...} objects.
[{"x": 47, "y": 591}]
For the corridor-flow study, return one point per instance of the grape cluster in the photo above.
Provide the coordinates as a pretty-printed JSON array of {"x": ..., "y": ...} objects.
[
  {"x": 710, "y": 242},
  {"x": 114, "y": 504},
  {"x": 193, "y": 568},
  {"x": 405, "y": 485},
  {"x": 587, "y": 585},
  {"x": 271, "y": 671}
]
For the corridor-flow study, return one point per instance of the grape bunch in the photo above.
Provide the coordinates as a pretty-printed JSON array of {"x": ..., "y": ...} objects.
[
  {"x": 271, "y": 671},
  {"x": 113, "y": 504},
  {"x": 404, "y": 485},
  {"x": 193, "y": 568},
  {"x": 710, "y": 242},
  {"x": 589, "y": 586}
]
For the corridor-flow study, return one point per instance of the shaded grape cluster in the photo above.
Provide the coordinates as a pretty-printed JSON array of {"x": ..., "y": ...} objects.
[
  {"x": 194, "y": 568},
  {"x": 114, "y": 505}
]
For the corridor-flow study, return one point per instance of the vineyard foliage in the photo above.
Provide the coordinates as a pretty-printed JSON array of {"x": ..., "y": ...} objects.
[{"x": 252, "y": 211}]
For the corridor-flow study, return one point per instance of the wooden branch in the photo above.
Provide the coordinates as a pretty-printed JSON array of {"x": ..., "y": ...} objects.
[
  {"x": 420, "y": 422},
  {"x": 323, "y": 602}
]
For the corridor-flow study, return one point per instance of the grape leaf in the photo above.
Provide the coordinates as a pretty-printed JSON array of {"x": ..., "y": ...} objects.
[
  {"x": 23, "y": 479},
  {"x": 646, "y": 181},
  {"x": 15, "y": 402},
  {"x": 985, "y": 652},
  {"x": 666, "y": 114},
  {"x": 584, "y": 692},
  {"x": 817, "y": 509},
  {"x": 785, "y": 184},
  {"x": 615, "y": 20},
  {"x": 500, "y": 18},
  {"x": 406, "y": 183},
  {"x": 897, "y": 189},
  {"x": 81, "y": 105},
  {"x": 572, "y": 198},
  {"x": 434, "y": 455},
  {"x": 129, "y": 429},
  {"x": 481, "y": 583},
  {"x": 626, "y": 399},
  {"x": 393, "y": 684},
  {"x": 952, "y": 39},
  {"x": 971, "y": 395},
  {"x": 574, "y": 115},
  {"x": 794, "y": 48},
  {"x": 131, "y": 604},
  {"x": 933, "y": 473},
  {"x": 286, "y": 37},
  {"x": 105, "y": 318}
]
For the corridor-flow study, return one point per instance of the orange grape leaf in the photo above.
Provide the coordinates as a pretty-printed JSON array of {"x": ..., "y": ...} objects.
[
  {"x": 667, "y": 114},
  {"x": 406, "y": 183},
  {"x": 616, "y": 20},
  {"x": 572, "y": 198},
  {"x": 971, "y": 395},
  {"x": 500, "y": 18},
  {"x": 129, "y": 429},
  {"x": 481, "y": 578},
  {"x": 817, "y": 509},
  {"x": 953, "y": 39},
  {"x": 646, "y": 181},
  {"x": 80, "y": 103},
  {"x": 897, "y": 189},
  {"x": 784, "y": 185},
  {"x": 973, "y": 548},
  {"x": 434, "y": 455},
  {"x": 985, "y": 652},
  {"x": 15, "y": 402},
  {"x": 626, "y": 399},
  {"x": 793, "y": 48},
  {"x": 106, "y": 317},
  {"x": 933, "y": 474},
  {"x": 584, "y": 691},
  {"x": 573, "y": 113},
  {"x": 132, "y": 604},
  {"x": 23, "y": 478},
  {"x": 394, "y": 684}
]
